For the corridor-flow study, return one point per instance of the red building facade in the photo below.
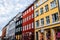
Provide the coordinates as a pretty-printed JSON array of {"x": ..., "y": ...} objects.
[
  {"x": 4, "y": 33},
  {"x": 28, "y": 23}
]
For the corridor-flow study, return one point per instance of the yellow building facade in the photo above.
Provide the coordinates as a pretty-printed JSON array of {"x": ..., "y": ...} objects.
[{"x": 47, "y": 20}]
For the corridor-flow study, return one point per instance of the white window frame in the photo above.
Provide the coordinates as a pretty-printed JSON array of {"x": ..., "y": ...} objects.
[
  {"x": 27, "y": 18},
  {"x": 25, "y": 27},
  {"x": 32, "y": 15},
  {"x": 52, "y": 5},
  {"x": 32, "y": 25},
  {"x": 29, "y": 9},
  {"x": 32, "y": 7}
]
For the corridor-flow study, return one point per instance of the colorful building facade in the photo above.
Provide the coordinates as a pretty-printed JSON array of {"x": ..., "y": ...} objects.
[
  {"x": 47, "y": 20},
  {"x": 28, "y": 23},
  {"x": 10, "y": 31},
  {"x": 18, "y": 28}
]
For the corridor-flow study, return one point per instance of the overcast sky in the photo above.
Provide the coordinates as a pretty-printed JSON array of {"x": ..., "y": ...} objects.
[{"x": 9, "y": 8}]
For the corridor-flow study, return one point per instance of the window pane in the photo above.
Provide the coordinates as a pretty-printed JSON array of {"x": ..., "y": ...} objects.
[
  {"x": 36, "y": 35},
  {"x": 42, "y": 21},
  {"x": 37, "y": 13},
  {"x": 47, "y": 20},
  {"x": 41, "y": 10},
  {"x": 55, "y": 17},
  {"x": 32, "y": 25},
  {"x": 53, "y": 4},
  {"x": 46, "y": 8},
  {"x": 37, "y": 4},
  {"x": 37, "y": 23}
]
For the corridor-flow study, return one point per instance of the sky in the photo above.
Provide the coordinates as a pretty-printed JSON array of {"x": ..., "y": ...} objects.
[{"x": 9, "y": 8}]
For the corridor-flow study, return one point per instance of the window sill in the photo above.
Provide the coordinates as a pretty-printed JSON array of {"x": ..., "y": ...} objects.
[
  {"x": 37, "y": 27},
  {"x": 41, "y": 26},
  {"x": 56, "y": 22},
  {"x": 47, "y": 24},
  {"x": 53, "y": 23},
  {"x": 53, "y": 8}
]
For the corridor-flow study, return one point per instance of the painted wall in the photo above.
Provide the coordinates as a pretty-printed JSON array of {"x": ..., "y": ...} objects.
[
  {"x": 11, "y": 29},
  {"x": 28, "y": 18}
]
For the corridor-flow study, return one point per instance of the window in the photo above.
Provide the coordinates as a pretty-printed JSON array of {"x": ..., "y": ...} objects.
[
  {"x": 42, "y": 21},
  {"x": 37, "y": 4},
  {"x": 47, "y": 20},
  {"x": 32, "y": 25},
  {"x": 41, "y": 1},
  {"x": 37, "y": 23},
  {"x": 41, "y": 10},
  {"x": 25, "y": 27},
  {"x": 21, "y": 21},
  {"x": 29, "y": 26},
  {"x": 29, "y": 17},
  {"x": 17, "y": 23},
  {"x": 24, "y": 13},
  {"x": 36, "y": 35},
  {"x": 37, "y": 13},
  {"x": 55, "y": 17},
  {"x": 21, "y": 28},
  {"x": 16, "y": 30},
  {"x": 25, "y": 19},
  {"x": 32, "y": 15},
  {"x": 53, "y": 4},
  {"x": 27, "y": 11},
  {"x": 32, "y": 7},
  {"x": 46, "y": 8}
]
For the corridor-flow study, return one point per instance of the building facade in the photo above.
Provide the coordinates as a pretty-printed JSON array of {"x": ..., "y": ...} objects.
[
  {"x": 47, "y": 20},
  {"x": 28, "y": 23},
  {"x": 3, "y": 33},
  {"x": 18, "y": 28},
  {"x": 10, "y": 32}
]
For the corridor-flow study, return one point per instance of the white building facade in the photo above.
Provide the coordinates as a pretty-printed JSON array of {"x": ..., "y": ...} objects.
[{"x": 10, "y": 32}]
